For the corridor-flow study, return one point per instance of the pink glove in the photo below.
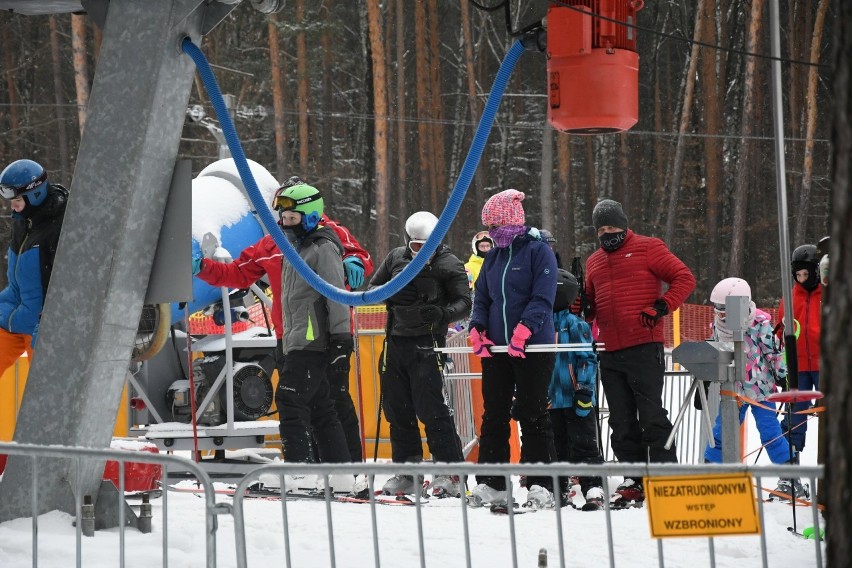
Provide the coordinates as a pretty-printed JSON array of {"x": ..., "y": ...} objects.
[
  {"x": 519, "y": 341},
  {"x": 480, "y": 343}
]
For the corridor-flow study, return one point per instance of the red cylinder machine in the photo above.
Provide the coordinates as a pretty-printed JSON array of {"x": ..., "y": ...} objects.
[{"x": 592, "y": 66}]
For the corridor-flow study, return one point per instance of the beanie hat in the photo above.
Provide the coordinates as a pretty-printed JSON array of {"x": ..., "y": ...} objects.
[
  {"x": 504, "y": 208},
  {"x": 609, "y": 213}
]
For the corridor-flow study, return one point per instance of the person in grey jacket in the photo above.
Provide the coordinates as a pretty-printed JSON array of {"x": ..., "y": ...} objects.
[
  {"x": 313, "y": 325},
  {"x": 411, "y": 369}
]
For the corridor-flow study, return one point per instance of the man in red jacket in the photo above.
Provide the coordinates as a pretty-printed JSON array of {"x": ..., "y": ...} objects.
[
  {"x": 264, "y": 258},
  {"x": 624, "y": 286}
]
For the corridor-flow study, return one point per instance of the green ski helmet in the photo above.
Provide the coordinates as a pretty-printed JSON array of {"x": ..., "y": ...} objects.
[{"x": 303, "y": 198}]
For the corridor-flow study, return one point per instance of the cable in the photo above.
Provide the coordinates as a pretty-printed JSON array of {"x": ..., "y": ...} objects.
[{"x": 686, "y": 39}]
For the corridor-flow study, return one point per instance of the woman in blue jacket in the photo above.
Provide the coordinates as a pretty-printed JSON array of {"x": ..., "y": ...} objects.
[
  {"x": 37, "y": 212},
  {"x": 513, "y": 306}
]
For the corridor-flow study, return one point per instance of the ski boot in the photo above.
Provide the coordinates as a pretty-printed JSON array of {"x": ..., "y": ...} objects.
[
  {"x": 628, "y": 494},
  {"x": 301, "y": 483},
  {"x": 360, "y": 488},
  {"x": 594, "y": 499},
  {"x": 539, "y": 497},
  {"x": 796, "y": 489},
  {"x": 446, "y": 486},
  {"x": 403, "y": 485},
  {"x": 484, "y": 494}
]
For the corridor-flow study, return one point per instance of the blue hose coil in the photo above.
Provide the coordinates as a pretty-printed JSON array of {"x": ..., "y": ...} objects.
[{"x": 380, "y": 293}]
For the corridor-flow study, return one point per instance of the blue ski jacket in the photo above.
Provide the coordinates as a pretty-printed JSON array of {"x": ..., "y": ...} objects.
[
  {"x": 31, "y": 254},
  {"x": 517, "y": 284}
]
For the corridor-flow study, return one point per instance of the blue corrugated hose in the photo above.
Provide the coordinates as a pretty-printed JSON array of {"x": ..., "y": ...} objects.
[{"x": 384, "y": 292}]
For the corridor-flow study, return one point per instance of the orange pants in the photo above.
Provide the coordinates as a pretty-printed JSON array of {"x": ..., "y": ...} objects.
[{"x": 12, "y": 346}]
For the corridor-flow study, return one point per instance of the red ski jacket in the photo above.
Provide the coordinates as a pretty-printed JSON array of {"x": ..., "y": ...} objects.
[
  {"x": 807, "y": 310},
  {"x": 264, "y": 257},
  {"x": 621, "y": 283}
]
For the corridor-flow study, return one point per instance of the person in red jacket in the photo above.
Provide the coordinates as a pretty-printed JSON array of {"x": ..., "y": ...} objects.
[
  {"x": 264, "y": 258},
  {"x": 624, "y": 288},
  {"x": 807, "y": 309}
]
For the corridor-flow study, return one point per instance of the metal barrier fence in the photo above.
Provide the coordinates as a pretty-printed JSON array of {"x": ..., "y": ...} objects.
[
  {"x": 565, "y": 526},
  {"x": 380, "y": 544},
  {"x": 76, "y": 456}
]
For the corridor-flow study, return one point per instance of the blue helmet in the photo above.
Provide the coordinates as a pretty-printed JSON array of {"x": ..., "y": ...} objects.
[{"x": 24, "y": 178}]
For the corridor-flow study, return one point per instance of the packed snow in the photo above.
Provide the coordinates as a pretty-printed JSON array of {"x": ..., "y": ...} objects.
[{"x": 585, "y": 542}]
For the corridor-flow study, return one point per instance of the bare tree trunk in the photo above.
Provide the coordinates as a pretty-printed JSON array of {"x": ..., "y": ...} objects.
[
  {"x": 685, "y": 112},
  {"x": 590, "y": 169},
  {"x": 401, "y": 131},
  {"x": 624, "y": 170},
  {"x": 438, "y": 166},
  {"x": 810, "y": 98},
  {"x": 837, "y": 309},
  {"x": 327, "y": 133},
  {"x": 302, "y": 87},
  {"x": 547, "y": 217},
  {"x": 467, "y": 35},
  {"x": 277, "y": 78},
  {"x": 81, "y": 68},
  {"x": 9, "y": 62},
  {"x": 709, "y": 82},
  {"x": 59, "y": 99},
  {"x": 565, "y": 228},
  {"x": 380, "y": 133},
  {"x": 426, "y": 183},
  {"x": 735, "y": 264}
]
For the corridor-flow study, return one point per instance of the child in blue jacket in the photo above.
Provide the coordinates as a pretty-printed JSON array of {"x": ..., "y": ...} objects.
[{"x": 572, "y": 396}]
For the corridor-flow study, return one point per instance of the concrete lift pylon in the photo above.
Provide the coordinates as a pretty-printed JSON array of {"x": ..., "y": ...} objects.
[{"x": 109, "y": 238}]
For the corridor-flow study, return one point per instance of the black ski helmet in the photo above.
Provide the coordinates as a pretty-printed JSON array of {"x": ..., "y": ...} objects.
[
  {"x": 805, "y": 258},
  {"x": 567, "y": 289},
  {"x": 806, "y": 253},
  {"x": 822, "y": 247}
]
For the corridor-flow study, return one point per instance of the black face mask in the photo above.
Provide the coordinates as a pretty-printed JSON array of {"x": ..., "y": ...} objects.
[{"x": 611, "y": 241}]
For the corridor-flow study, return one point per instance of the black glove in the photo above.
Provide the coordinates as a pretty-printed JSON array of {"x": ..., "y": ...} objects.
[
  {"x": 405, "y": 297},
  {"x": 582, "y": 401},
  {"x": 650, "y": 316},
  {"x": 434, "y": 314},
  {"x": 338, "y": 357}
]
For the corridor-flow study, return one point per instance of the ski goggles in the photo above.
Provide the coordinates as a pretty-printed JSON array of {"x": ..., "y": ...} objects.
[
  {"x": 719, "y": 308},
  {"x": 283, "y": 202},
  {"x": 12, "y": 191},
  {"x": 415, "y": 245}
]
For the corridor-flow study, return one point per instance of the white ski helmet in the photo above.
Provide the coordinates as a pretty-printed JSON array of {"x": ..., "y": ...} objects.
[
  {"x": 418, "y": 227},
  {"x": 729, "y": 287}
]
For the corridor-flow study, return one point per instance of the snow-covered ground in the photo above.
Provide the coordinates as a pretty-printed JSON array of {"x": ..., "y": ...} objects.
[{"x": 585, "y": 542}]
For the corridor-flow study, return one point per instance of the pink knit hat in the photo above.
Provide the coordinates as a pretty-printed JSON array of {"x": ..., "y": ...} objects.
[{"x": 504, "y": 208}]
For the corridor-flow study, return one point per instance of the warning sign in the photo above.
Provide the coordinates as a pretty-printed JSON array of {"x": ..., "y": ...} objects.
[{"x": 701, "y": 505}]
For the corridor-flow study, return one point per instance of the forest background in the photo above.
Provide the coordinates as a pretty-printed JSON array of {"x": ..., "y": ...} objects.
[{"x": 376, "y": 103}]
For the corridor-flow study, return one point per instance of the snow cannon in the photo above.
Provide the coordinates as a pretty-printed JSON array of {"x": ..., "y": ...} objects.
[
  {"x": 592, "y": 66},
  {"x": 220, "y": 206}
]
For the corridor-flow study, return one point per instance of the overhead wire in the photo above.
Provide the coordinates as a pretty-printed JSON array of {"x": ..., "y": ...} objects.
[{"x": 677, "y": 37}]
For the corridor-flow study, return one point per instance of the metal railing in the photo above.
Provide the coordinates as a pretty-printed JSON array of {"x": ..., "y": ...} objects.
[
  {"x": 554, "y": 471},
  {"x": 77, "y": 456}
]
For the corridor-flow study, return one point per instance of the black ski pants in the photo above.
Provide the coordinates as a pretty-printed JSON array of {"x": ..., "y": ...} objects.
[
  {"x": 412, "y": 390},
  {"x": 633, "y": 382},
  {"x": 576, "y": 441},
  {"x": 338, "y": 383},
  {"x": 504, "y": 378},
  {"x": 304, "y": 404}
]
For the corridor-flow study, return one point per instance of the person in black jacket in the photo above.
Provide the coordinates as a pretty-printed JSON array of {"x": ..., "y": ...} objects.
[
  {"x": 411, "y": 370},
  {"x": 38, "y": 208}
]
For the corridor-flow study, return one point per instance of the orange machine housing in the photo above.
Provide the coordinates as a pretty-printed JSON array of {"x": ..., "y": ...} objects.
[{"x": 592, "y": 66}]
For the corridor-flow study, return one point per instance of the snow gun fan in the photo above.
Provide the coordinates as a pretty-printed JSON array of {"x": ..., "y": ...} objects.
[
  {"x": 592, "y": 66},
  {"x": 252, "y": 390}
]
